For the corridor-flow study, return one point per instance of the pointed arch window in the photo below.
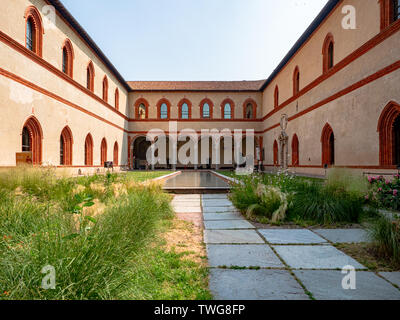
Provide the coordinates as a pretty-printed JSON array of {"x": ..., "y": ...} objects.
[
  {"x": 115, "y": 155},
  {"x": 89, "y": 150},
  {"x": 68, "y": 58},
  {"x": 164, "y": 107},
  {"x": 90, "y": 77},
  {"x": 275, "y": 152},
  {"x": 276, "y": 97},
  {"x": 66, "y": 143},
  {"x": 206, "y": 111},
  {"x": 296, "y": 81},
  {"x": 105, "y": 89},
  {"x": 389, "y": 135},
  {"x": 249, "y": 109},
  {"x": 227, "y": 109},
  {"x": 32, "y": 140},
  {"x": 103, "y": 151},
  {"x": 295, "y": 151},
  {"x": 141, "y": 109},
  {"x": 328, "y": 53},
  {"x": 116, "y": 102},
  {"x": 33, "y": 30},
  {"x": 185, "y": 109},
  {"x": 390, "y": 12}
]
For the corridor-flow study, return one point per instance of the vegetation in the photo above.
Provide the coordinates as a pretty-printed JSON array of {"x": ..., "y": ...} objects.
[
  {"x": 97, "y": 232},
  {"x": 384, "y": 193},
  {"x": 339, "y": 199}
]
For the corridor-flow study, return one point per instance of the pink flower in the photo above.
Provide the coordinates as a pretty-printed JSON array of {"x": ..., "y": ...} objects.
[
  {"x": 395, "y": 192},
  {"x": 380, "y": 190},
  {"x": 366, "y": 197}
]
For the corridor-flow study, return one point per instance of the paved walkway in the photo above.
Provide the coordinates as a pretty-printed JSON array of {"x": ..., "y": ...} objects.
[
  {"x": 278, "y": 264},
  {"x": 249, "y": 263}
]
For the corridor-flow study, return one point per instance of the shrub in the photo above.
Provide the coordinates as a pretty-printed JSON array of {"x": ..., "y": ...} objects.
[
  {"x": 324, "y": 204},
  {"x": 384, "y": 193},
  {"x": 385, "y": 233}
]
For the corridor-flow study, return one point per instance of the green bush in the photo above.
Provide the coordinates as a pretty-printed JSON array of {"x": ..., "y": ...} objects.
[
  {"x": 385, "y": 233},
  {"x": 324, "y": 204}
]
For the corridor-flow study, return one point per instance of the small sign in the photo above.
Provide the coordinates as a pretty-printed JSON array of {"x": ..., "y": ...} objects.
[{"x": 23, "y": 158}]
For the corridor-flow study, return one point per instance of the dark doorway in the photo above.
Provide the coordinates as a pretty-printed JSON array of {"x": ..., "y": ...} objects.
[
  {"x": 332, "y": 149},
  {"x": 396, "y": 141}
]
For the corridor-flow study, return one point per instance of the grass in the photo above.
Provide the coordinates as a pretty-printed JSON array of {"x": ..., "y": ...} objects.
[
  {"x": 100, "y": 233},
  {"x": 141, "y": 176}
]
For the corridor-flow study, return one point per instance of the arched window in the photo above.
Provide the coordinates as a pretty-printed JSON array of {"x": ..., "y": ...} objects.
[
  {"x": 67, "y": 58},
  {"x": 296, "y": 81},
  {"x": 116, "y": 99},
  {"x": 185, "y": 109},
  {"x": 389, "y": 135},
  {"x": 249, "y": 109},
  {"x": 328, "y": 53},
  {"x": 89, "y": 150},
  {"x": 206, "y": 109},
  {"x": 164, "y": 107},
  {"x": 32, "y": 140},
  {"x": 276, "y": 157},
  {"x": 115, "y": 157},
  {"x": 328, "y": 146},
  {"x": 103, "y": 151},
  {"x": 227, "y": 109},
  {"x": 390, "y": 12},
  {"x": 276, "y": 97},
  {"x": 105, "y": 89},
  {"x": 33, "y": 30},
  {"x": 141, "y": 109},
  {"x": 295, "y": 151},
  {"x": 66, "y": 143},
  {"x": 90, "y": 76}
]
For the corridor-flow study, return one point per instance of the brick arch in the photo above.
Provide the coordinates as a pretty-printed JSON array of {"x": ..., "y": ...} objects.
[
  {"x": 296, "y": 81},
  {"x": 36, "y": 137},
  {"x": 276, "y": 97},
  {"x": 115, "y": 154},
  {"x": 89, "y": 150},
  {"x": 69, "y": 68},
  {"x": 159, "y": 104},
  {"x": 33, "y": 14},
  {"x": 326, "y": 54},
  {"x": 276, "y": 150},
  {"x": 67, "y": 140},
  {"x": 105, "y": 89},
  {"x": 223, "y": 103},
  {"x": 180, "y": 104},
  {"x": 254, "y": 105},
  {"x": 210, "y": 103},
  {"x": 387, "y": 13},
  {"x": 90, "y": 74},
  {"x": 295, "y": 151},
  {"x": 103, "y": 151},
  {"x": 328, "y": 145},
  {"x": 386, "y": 134},
  {"x": 138, "y": 102},
  {"x": 116, "y": 98}
]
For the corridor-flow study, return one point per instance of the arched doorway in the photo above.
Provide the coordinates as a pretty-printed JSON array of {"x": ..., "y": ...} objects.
[
  {"x": 328, "y": 146},
  {"x": 66, "y": 142},
  {"x": 140, "y": 147},
  {"x": 32, "y": 140},
  {"x": 389, "y": 135}
]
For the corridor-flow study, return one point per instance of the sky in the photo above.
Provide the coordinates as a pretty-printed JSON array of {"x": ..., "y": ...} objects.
[{"x": 198, "y": 40}]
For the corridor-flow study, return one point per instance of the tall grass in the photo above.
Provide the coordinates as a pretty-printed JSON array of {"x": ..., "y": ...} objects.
[
  {"x": 38, "y": 227},
  {"x": 385, "y": 233}
]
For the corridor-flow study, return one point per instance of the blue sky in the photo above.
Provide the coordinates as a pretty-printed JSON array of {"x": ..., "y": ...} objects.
[{"x": 195, "y": 39}]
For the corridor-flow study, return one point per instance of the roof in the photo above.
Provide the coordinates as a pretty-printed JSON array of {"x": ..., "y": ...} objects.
[
  {"x": 196, "y": 85},
  {"x": 75, "y": 24},
  {"x": 304, "y": 37}
]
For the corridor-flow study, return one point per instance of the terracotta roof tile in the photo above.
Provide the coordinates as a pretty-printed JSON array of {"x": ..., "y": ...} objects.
[{"x": 196, "y": 85}]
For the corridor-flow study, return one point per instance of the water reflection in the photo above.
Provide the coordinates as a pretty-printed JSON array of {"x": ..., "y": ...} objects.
[{"x": 197, "y": 180}]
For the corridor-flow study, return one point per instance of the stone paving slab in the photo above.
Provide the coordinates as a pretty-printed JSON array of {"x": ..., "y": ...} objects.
[
  {"x": 187, "y": 197},
  {"x": 327, "y": 285},
  {"x": 228, "y": 225},
  {"x": 232, "y": 236},
  {"x": 344, "y": 235},
  {"x": 217, "y": 203},
  {"x": 219, "y": 209},
  {"x": 315, "y": 257},
  {"x": 393, "y": 277},
  {"x": 291, "y": 236},
  {"x": 255, "y": 285},
  {"x": 214, "y": 196},
  {"x": 242, "y": 256},
  {"x": 186, "y": 209},
  {"x": 222, "y": 216}
]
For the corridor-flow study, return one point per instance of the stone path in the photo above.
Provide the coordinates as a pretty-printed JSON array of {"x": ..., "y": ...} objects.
[{"x": 279, "y": 264}]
